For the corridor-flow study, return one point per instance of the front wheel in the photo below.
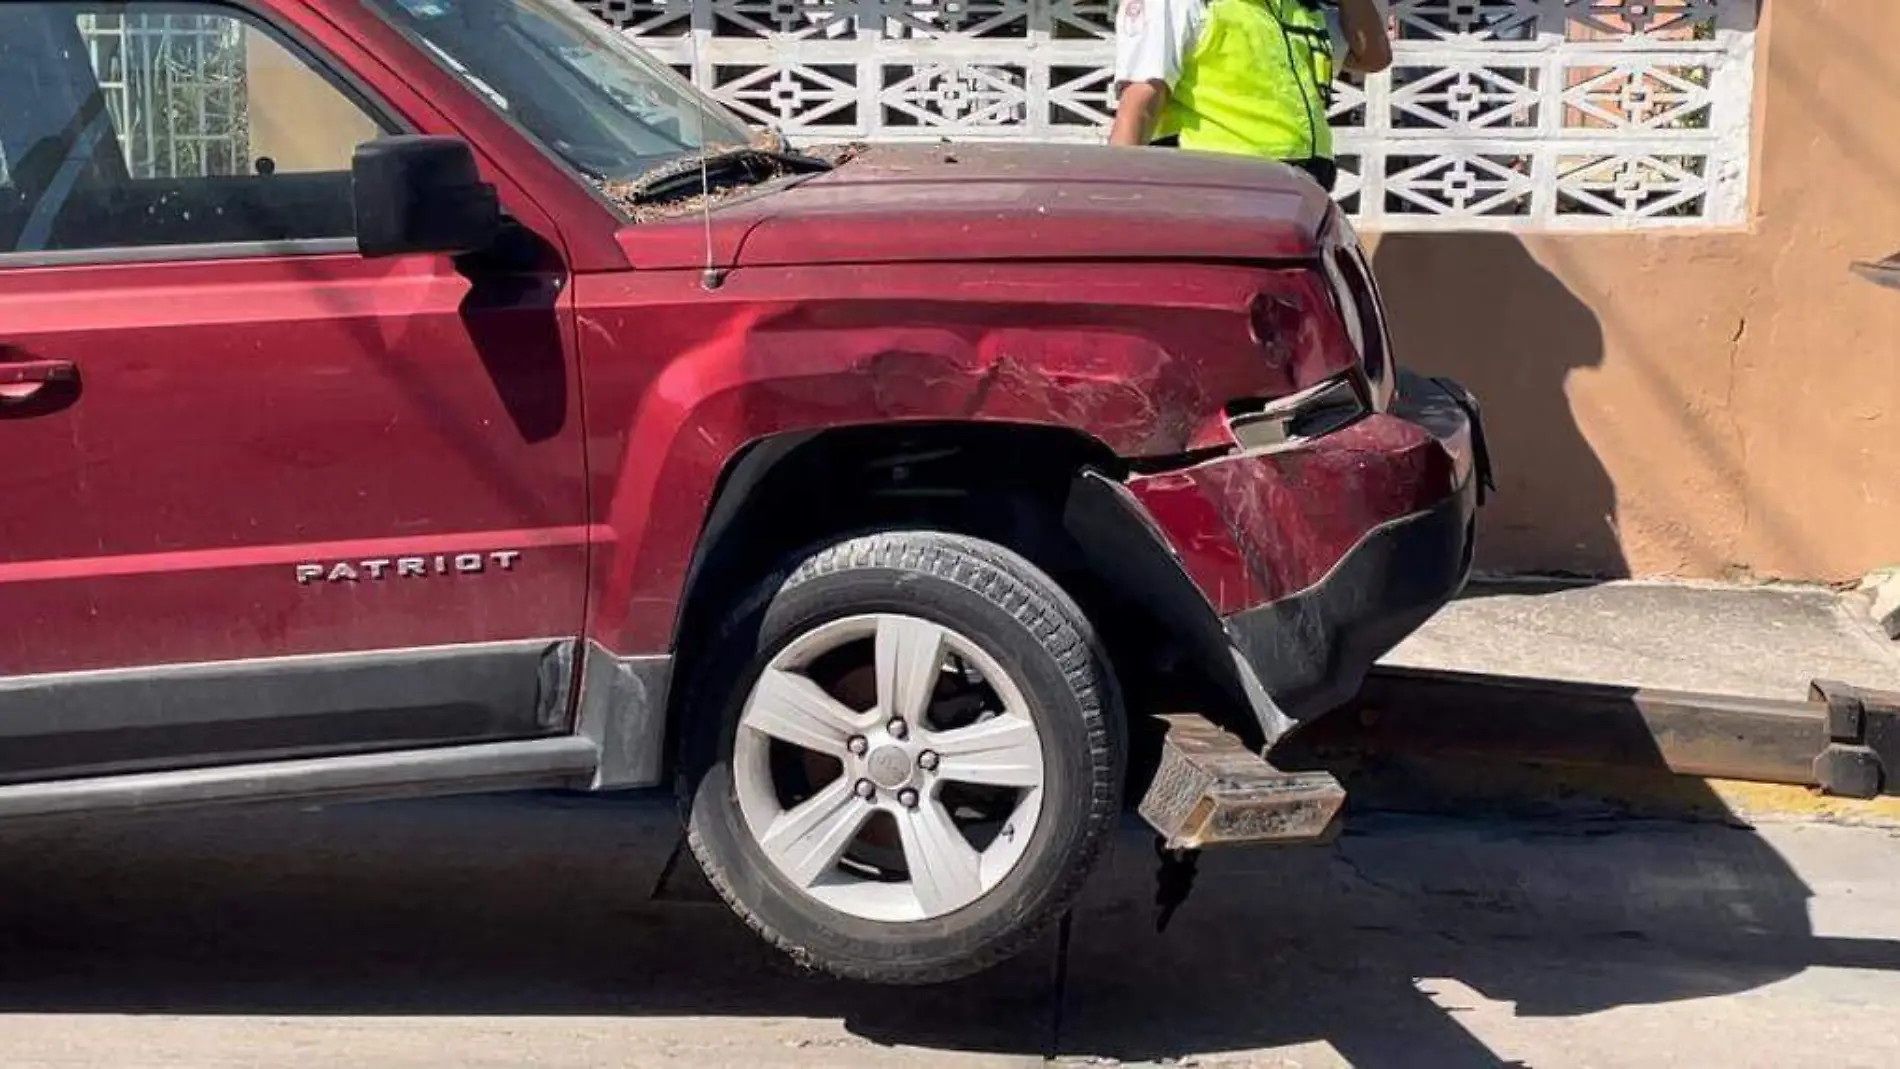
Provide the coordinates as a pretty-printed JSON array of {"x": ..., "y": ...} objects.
[{"x": 910, "y": 757}]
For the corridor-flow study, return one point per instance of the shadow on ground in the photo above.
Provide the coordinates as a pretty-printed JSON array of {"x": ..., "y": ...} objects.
[{"x": 538, "y": 906}]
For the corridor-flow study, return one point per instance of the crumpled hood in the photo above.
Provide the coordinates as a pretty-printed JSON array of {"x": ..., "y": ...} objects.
[{"x": 947, "y": 203}]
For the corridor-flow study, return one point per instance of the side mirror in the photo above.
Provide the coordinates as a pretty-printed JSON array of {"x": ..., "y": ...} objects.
[{"x": 421, "y": 194}]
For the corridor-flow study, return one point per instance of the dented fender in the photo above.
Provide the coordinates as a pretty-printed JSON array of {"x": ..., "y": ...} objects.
[{"x": 1142, "y": 358}]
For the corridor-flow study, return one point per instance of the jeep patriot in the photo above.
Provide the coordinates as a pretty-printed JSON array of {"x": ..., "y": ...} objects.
[{"x": 424, "y": 396}]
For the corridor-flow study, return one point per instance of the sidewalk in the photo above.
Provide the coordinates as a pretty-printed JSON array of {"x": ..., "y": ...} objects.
[{"x": 1760, "y": 642}]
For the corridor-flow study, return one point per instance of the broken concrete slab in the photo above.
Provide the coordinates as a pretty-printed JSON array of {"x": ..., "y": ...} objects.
[{"x": 1882, "y": 591}]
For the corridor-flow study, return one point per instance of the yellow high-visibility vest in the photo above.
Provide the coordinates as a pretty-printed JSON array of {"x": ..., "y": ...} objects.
[{"x": 1256, "y": 84}]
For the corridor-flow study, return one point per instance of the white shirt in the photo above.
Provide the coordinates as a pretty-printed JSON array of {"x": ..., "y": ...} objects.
[{"x": 1154, "y": 37}]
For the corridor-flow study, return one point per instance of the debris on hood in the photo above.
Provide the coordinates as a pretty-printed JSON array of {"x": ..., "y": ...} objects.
[
  {"x": 837, "y": 154},
  {"x": 690, "y": 184}
]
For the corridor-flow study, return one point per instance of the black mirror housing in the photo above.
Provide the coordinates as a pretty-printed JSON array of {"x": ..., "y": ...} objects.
[{"x": 421, "y": 195}]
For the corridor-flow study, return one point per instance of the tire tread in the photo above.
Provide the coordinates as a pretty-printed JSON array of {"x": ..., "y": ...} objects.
[{"x": 1012, "y": 583}]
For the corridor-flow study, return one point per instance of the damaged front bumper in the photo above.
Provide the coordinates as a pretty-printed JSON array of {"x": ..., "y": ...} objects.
[{"x": 1319, "y": 557}]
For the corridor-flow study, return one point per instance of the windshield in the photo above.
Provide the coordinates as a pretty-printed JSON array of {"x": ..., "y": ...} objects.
[{"x": 607, "y": 108}]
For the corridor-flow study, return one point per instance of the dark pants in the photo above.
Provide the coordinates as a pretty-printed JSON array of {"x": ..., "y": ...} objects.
[{"x": 1324, "y": 171}]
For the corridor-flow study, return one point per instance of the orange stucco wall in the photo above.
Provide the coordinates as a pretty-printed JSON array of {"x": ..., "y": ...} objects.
[
  {"x": 297, "y": 119},
  {"x": 1701, "y": 404}
]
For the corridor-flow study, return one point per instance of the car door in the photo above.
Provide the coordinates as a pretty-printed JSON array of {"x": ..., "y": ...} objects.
[{"x": 260, "y": 496}]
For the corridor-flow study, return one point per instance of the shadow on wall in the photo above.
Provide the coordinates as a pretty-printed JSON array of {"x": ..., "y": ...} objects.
[{"x": 1479, "y": 308}]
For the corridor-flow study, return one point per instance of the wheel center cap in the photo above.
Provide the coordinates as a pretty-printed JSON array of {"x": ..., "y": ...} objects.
[{"x": 889, "y": 767}]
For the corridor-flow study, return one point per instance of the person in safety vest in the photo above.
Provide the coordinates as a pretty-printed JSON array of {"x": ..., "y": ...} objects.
[{"x": 1245, "y": 77}]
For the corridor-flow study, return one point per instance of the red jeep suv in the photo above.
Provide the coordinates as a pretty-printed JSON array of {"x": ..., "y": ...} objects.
[{"x": 425, "y": 396}]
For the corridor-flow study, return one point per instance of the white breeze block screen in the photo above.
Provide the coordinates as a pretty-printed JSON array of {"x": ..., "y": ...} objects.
[{"x": 1496, "y": 114}]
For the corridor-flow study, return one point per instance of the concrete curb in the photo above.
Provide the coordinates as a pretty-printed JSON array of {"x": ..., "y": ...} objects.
[
  {"x": 1477, "y": 788},
  {"x": 1446, "y": 743}
]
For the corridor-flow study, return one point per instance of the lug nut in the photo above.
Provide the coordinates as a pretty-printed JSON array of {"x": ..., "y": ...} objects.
[
  {"x": 899, "y": 729},
  {"x": 866, "y": 789},
  {"x": 927, "y": 760},
  {"x": 857, "y": 745},
  {"x": 908, "y": 797}
]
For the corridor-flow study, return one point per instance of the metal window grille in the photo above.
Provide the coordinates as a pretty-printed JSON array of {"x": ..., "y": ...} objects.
[
  {"x": 1496, "y": 114},
  {"x": 174, "y": 85}
]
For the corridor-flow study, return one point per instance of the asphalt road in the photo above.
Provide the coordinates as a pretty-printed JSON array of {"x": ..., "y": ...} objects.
[{"x": 513, "y": 932}]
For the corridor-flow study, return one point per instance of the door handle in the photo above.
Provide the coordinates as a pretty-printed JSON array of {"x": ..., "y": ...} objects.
[{"x": 21, "y": 379}]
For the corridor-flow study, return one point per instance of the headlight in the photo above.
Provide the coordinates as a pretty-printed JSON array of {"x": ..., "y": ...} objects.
[{"x": 1356, "y": 297}]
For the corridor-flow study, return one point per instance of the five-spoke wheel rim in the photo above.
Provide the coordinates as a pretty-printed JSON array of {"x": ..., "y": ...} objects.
[{"x": 947, "y": 753}]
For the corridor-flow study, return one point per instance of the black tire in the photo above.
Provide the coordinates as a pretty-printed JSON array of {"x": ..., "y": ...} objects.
[{"x": 1040, "y": 638}]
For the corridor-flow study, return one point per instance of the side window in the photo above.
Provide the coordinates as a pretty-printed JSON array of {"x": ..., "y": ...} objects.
[{"x": 126, "y": 126}]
